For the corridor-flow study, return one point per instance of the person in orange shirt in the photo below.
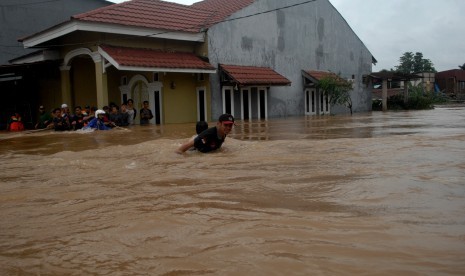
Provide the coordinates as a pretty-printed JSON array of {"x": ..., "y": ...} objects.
[{"x": 15, "y": 123}]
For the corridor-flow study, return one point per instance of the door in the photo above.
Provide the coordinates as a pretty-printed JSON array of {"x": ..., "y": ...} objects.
[
  {"x": 262, "y": 103},
  {"x": 316, "y": 102},
  {"x": 139, "y": 94},
  {"x": 228, "y": 100},
  {"x": 310, "y": 101},
  {"x": 156, "y": 106},
  {"x": 201, "y": 104},
  {"x": 246, "y": 106},
  {"x": 324, "y": 103}
]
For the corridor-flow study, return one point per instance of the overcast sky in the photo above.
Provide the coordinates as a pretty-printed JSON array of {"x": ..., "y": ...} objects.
[{"x": 390, "y": 28}]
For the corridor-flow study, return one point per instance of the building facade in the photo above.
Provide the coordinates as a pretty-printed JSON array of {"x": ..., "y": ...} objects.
[
  {"x": 195, "y": 62},
  {"x": 452, "y": 83},
  {"x": 292, "y": 39}
]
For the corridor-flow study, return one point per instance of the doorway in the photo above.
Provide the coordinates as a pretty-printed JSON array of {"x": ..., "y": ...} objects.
[{"x": 201, "y": 104}]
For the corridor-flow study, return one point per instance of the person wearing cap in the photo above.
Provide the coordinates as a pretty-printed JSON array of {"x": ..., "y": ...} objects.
[
  {"x": 45, "y": 119},
  {"x": 65, "y": 113},
  {"x": 98, "y": 122},
  {"x": 212, "y": 138}
]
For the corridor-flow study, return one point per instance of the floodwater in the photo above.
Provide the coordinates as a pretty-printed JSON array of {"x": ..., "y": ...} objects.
[{"x": 371, "y": 194}]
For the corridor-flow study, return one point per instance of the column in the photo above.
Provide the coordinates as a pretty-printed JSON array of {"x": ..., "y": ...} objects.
[
  {"x": 406, "y": 91},
  {"x": 65, "y": 85},
  {"x": 101, "y": 84},
  {"x": 384, "y": 94}
]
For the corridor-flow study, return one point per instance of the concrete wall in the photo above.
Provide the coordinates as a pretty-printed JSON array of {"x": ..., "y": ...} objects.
[
  {"x": 20, "y": 18},
  {"x": 313, "y": 36}
]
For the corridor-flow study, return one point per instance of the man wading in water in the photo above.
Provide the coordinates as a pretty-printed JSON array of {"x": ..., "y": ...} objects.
[{"x": 212, "y": 138}]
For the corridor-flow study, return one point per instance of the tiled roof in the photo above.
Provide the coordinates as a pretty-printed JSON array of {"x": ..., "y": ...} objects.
[
  {"x": 148, "y": 58},
  {"x": 165, "y": 15},
  {"x": 222, "y": 8},
  {"x": 150, "y": 14},
  {"x": 318, "y": 75},
  {"x": 249, "y": 75}
]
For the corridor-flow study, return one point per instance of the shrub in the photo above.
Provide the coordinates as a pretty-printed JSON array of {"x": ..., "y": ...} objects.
[{"x": 418, "y": 99}]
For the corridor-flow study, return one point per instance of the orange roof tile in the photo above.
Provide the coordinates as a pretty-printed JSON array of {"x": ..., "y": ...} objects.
[
  {"x": 165, "y": 15},
  {"x": 318, "y": 75},
  {"x": 222, "y": 8},
  {"x": 148, "y": 58},
  {"x": 249, "y": 75},
  {"x": 151, "y": 14}
]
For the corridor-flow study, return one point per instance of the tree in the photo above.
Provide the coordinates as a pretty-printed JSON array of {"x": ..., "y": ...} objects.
[
  {"x": 410, "y": 63},
  {"x": 462, "y": 66},
  {"x": 337, "y": 90}
]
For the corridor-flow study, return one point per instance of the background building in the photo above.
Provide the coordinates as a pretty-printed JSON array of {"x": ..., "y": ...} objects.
[{"x": 19, "y": 83}]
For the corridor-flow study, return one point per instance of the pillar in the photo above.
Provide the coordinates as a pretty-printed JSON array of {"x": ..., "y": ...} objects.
[
  {"x": 101, "y": 84},
  {"x": 406, "y": 91},
  {"x": 65, "y": 85},
  {"x": 384, "y": 94}
]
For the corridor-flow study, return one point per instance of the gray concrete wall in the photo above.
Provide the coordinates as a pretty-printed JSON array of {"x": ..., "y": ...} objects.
[
  {"x": 312, "y": 36},
  {"x": 20, "y": 18}
]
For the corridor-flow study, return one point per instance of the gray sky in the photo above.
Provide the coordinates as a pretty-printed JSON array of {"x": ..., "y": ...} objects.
[{"x": 390, "y": 28}]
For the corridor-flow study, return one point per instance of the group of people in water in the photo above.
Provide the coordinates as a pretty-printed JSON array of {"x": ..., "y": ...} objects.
[
  {"x": 61, "y": 119},
  {"x": 113, "y": 116}
]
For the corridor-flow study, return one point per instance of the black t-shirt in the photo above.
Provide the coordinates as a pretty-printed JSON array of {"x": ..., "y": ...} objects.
[
  {"x": 208, "y": 140},
  {"x": 79, "y": 119}
]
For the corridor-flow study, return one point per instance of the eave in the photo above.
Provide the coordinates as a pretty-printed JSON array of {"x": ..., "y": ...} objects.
[{"x": 74, "y": 25}]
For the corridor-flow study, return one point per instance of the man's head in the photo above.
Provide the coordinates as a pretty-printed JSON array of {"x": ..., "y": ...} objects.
[
  {"x": 99, "y": 114},
  {"x": 226, "y": 119},
  {"x": 41, "y": 109},
  {"x": 77, "y": 110},
  {"x": 64, "y": 108},
  {"x": 225, "y": 123},
  {"x": 57, "y": 112},
  {"x": 146, "y": 104}
]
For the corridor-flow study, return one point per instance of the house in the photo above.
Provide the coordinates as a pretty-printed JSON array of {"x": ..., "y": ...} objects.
[
  {"x": 245, "y": 57},
  {"x": 452, "y": 82},
  {"x": 19, "y": 18}
]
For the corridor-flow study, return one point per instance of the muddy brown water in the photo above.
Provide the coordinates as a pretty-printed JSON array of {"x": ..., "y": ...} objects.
[{"x": 371, "y": 194}]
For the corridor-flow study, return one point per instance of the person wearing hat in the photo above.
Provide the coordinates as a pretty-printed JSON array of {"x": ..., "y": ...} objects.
[
  {"x": 45, "y": 119},
  {"x": 212, "y": 138},
  {"x": 98, "y": 122},
  {"x": 65, "y": 113}
]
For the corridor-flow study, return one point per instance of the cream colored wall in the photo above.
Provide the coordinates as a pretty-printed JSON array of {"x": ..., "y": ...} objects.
[
  {"x": 180, "y": 103},
  {"x": 83, "y": 84}
]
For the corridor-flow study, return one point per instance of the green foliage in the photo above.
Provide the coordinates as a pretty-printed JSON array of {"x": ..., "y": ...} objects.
[
  {"x": 410, "y": 63},
  {"x": 462, "y": 66},
  {"x": 337, "y": 90},
  {"x": 418, "y": 100}
]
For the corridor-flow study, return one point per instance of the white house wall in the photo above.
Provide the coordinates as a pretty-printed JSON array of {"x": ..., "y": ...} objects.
[{"x": 312, "y": 36}]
